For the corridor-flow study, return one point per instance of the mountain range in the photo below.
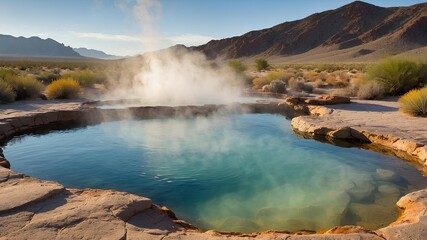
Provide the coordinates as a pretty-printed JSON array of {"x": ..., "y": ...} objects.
[
  {"x": 93, "y": 53},
  {"x": 358, "y": 31},
  {"x": 11, "y": 46},
  {"x": 34, "y": 47}
]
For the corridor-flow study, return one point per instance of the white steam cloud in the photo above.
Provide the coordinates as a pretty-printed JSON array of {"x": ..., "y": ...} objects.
[{"x": 174, "y": 76}]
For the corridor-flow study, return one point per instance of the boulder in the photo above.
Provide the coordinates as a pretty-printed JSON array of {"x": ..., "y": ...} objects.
[
  {"x": 294, "y": 100},
  {"x": 327, "y": 100},
  {"x": 4, "y": 163}
]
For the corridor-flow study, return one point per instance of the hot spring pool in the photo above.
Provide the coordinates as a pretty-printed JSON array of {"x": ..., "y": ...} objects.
[{"x": 244, "y": 172}]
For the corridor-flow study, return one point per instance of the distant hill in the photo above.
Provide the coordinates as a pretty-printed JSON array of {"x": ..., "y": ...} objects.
[
  {"x": 95, "y": 54},
  {"x": 34, "y": 47},
  {"x": 355, "y": 32}
]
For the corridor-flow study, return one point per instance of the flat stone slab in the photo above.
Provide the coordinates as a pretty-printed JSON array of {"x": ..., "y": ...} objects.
[{"x": 19, "y": 192}]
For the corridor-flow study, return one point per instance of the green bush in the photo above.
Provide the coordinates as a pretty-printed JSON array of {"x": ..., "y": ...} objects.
[
  {"x": 277, "y": 86},
  {"x": 6, "y": 93},
  {"x": 237, "y": 66},
  {"x": 299, "y": 86},
  {"x": 85, "y": 78},
  {"x": 414, "y": 102},
  {"x": 6, "y": 72},
  {"x": 398, "y": 75},
  {"x": 371, "y": 90},
  {"x": 261, "y": 64},
  {"x": 63, "y": 88},
  {"x": 25, "y": 87},
  {"x": 48, "y": 77}
]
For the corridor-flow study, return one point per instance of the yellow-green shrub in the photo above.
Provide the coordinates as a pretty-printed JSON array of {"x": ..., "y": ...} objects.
[
  {"x": 283, "y": 76},
  {"x": 48, "y": 77},
  {"x": 85, "y": 78},
  {"x": 6, "y": 93},
  {"x": 260, "y": 82},
  {"x": 261, "y": 64},
  {"x": 25, "y": 87},
  {"x": 63, "y": 88},
  {"x": 398, "y": 75},
  {"x": 237, "y": 66},
  {"x": 414, "y": 102},
  {"x": 5, "y": 72}
]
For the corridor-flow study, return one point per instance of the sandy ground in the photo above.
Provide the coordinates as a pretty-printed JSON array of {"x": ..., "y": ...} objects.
[{"x": 379, "y": 117}]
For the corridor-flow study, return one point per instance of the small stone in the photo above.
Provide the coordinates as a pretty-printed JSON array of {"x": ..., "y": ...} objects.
[
  {"x": 293, "y": 100},
  {"x": 388, "y": 189},
  {"x": 4, "y": 163},
  {"x": 385, "y": 174},
  {"x": 342, "y": 133}
]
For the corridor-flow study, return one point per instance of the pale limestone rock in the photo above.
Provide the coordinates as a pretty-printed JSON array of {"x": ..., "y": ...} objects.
[
  {"x": 353, "y": 236},
  {"x": 406, "y": 145},
  {"x": 421, "y": 152},
  {"x": 388, "y": 189},
  {"x": 412, "y": 224},
  {"x": 19, "y": 192},
  {"x": 385, "y": 174},
  {"x": 95, "y": 229},
  {"x": 363, "y": 189}
]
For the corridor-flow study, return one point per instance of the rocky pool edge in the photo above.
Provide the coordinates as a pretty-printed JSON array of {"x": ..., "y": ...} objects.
[{"x": 23, "y": 198}]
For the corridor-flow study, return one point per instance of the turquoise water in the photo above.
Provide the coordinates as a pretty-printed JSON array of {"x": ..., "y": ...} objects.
[{"x": 232, "y": 173}]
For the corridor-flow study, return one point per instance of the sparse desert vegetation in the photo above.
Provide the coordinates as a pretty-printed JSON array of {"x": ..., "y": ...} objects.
[
  {"x": 390, "y": 76},
  {"x": 261, "y": 64},
  {"x": 398, "y": 75},
  {"x": 21, "y": 80},
  {"x": 63, "y": 88},
  {"x": 414, "y": 102}
]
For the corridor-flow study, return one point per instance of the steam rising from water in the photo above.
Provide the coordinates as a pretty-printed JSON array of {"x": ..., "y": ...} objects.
[{"x": 172, "y": 76}]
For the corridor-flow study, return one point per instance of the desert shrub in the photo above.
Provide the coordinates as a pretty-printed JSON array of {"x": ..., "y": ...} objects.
[
  {"x": 5, "y": 72},
  {"x": 6, "y": 93},
  {"x": 311, "y": 76},
  {"x": 63, "y": 88},
  {"x": 277, "y": 86},
  {"x": 237, "y": 66},
  {"x": 261, "y": 64},
  {"x": 343, "y": 76},
  {"x": 279, "y": 75},
  {"x": 85, "y": 78},
  {"x": 296, "y": 85},
  {"x": 25, "y": 87},
  {"x": 398, "y": 75},
  {"x": 371, "y": 90},
  {"x": 260, "y": 82},
  {"x": 414, "y": 102},
  {"x": 319, "y": 83},
  {"x": 48, "y": 77},
  {"x": 331, "y": 79}
]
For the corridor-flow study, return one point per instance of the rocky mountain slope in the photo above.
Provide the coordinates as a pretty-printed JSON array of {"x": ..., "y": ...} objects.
[{"x": 357, "y": 31}]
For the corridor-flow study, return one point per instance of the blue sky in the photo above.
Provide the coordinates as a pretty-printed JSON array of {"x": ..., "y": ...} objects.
[{"x": 111, "y": 25}]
